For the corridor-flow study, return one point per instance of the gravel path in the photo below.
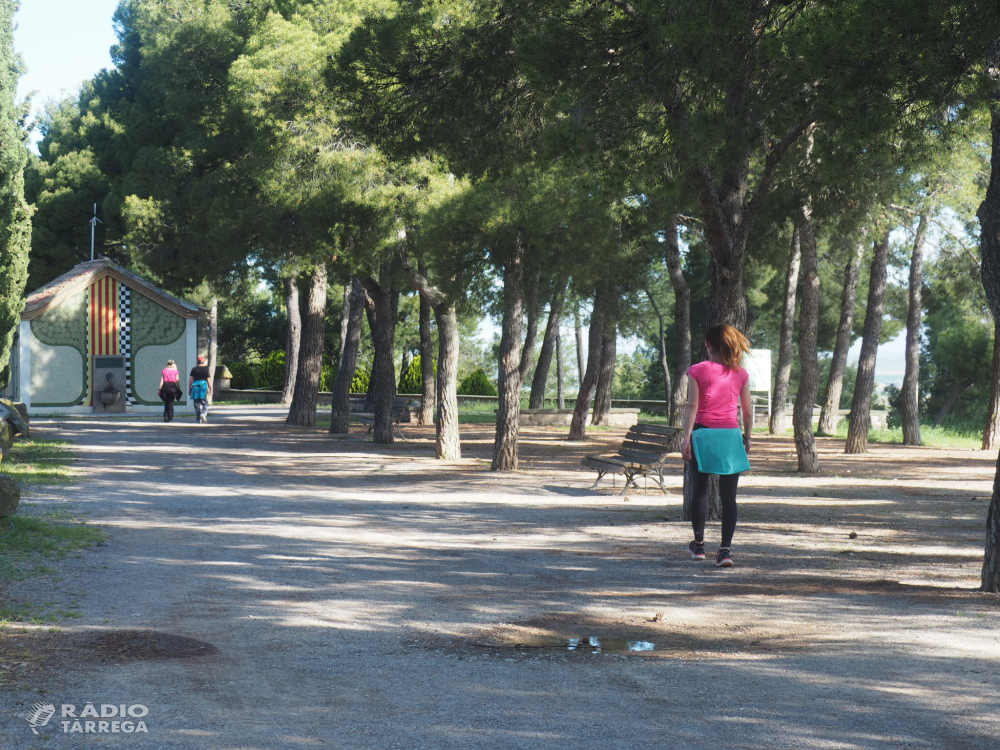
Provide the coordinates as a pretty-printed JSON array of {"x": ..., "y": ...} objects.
[{"x": 265, "y": 588}]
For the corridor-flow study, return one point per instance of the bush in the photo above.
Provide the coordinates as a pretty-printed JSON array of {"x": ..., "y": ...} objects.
[
  {"x": 327, "y": 374},
  {"x": 477, "y": 384},
  {"x": 894, "y": 419},
  {"x": 412, "y": 380},
  {"x": 243, "y": 376},
  {"x": 271, "y": 372},
  {"x": 362, "y": 377}
]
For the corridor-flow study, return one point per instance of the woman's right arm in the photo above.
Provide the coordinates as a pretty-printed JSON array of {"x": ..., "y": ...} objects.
[{"x": 689, "y": 417}]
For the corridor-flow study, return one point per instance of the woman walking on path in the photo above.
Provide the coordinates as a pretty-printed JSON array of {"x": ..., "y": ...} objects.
[
  {"x": 199, "y": 389},
  {"x": 170, "y": 389},
  {"x": 712, "y": 441}
]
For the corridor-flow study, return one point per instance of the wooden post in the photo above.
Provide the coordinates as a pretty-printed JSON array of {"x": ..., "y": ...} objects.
[{"x": 213, "y": 345}]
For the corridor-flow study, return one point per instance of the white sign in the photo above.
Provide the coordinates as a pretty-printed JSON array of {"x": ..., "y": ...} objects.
[{"x": 758, "y": 365}]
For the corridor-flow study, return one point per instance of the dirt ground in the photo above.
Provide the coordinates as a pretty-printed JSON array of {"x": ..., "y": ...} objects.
[{"x": 266, "y": 587}]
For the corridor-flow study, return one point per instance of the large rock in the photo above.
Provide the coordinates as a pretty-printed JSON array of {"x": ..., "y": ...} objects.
[
  {"x": 17, "y": 415},
  {"x": 6, "y": 438},
  {"x": 10, "y": 496}
]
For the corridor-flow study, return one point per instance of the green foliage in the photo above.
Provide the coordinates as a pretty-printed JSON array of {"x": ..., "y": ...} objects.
[
  {"x": 39, "y": 461},
  {"x": 362, "y": 379},
  {"x": 244, "y": 377},
  {"x": 327, "y": 374},
  {"x": 412, "y": 380},
  {"x": 477, "y": 384},
  {"x": 15, "y": 214},
  {"x": 632, "y": 379},
  {"x": 271, "y": 371}
]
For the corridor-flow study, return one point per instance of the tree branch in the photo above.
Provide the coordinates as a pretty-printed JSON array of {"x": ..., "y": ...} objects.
[{"x": 770, "y": 166}]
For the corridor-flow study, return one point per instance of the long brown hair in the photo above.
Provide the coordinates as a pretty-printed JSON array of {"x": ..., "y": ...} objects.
[{"x": 729, "y": 343}]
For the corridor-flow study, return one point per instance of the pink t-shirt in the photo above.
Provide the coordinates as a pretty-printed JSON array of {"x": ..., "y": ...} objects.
[
  {"x": 718, "y": 393},
  {"x": 170, "y": 375}
]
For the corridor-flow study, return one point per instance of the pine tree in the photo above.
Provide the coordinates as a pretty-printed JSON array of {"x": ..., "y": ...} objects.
[{"x": 15, "y": 215}]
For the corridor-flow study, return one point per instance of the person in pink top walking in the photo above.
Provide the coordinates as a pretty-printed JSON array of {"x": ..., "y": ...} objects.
[
  {"x": 712, "y": 440},
  {"x": 170, "y": 389}
]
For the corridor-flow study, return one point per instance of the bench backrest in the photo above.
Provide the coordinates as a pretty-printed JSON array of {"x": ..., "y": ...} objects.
[
  {"x": 398, "y": 405},
  {"x": 650, "y": 443}
]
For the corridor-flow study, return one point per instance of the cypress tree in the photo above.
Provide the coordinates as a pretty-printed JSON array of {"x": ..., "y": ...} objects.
[{"x": 15, "y": 215}]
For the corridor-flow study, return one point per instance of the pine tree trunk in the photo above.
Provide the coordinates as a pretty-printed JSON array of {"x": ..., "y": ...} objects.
[
  {"x": 588, "y": 385},
  {"x": 302, "y": 411},
  {"x": 382, "y": 388},
  {"x": 345, "y": 316},
  {"x": 560, "y": 376},
  {"x": 991, "y": 434},
  {"x": 213, "y": 345},
  {"x": 991, "y": 560},
  {"x": 805, "y": 399},
  {"x": 293, "y": 338},
  {"x": 534, "y": 308},
  {"x": 911, "y": 378},
  {"x": 682, "y": 323},
  {"x": 606, "y": 375},
  {"x": 448, "y": 443},
  {"x": 664, "y": 365},
  {"x": 989, "y": 222},
  {"x": 509, "y": 369},
  {"x": 340, "y": 410},
  {"x": 830, "y": 414},
  {"x": 727, "y": 301},
  {"x": 714, "y": 499},
  {"x": 861, "y": 418},
  {"x": 404, "y": 365},
  {"x": 778, "y": 421},
  {"x": 427, "y": 385},
  {"x": 581, "y": 365},
  {"x": 538, "y": 382}
]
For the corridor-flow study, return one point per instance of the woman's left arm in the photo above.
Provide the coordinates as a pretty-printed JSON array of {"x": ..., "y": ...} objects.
[{"x": 746, "y": 402}]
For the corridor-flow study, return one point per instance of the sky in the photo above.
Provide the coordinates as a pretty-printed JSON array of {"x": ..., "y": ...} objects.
[{"x": 65, "y": 42}]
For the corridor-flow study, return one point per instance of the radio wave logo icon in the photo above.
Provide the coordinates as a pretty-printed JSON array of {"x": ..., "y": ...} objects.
[{"x": 39, "y": 715}]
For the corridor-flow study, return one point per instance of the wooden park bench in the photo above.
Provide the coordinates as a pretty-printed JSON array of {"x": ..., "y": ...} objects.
[
  {"x": 399, "y": 406},
  {"x": 642, "y": 454}
]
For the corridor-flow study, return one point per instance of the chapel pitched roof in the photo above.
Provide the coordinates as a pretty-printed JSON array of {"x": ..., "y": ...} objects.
[{"x": 82, "y": 276}]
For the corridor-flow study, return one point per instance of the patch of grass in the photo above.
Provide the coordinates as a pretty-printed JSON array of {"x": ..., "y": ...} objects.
[
  {"x": 477, "y": 418},
  {"x": 933, "y": 437},
  {"x": 39, "y": 461},
  {"x": 26, "y": 542}
]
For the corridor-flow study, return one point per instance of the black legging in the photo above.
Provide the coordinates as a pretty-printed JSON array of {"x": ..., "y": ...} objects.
[
  {"x": 170, "y": 391},
  {"x": 699, "y": 502}
]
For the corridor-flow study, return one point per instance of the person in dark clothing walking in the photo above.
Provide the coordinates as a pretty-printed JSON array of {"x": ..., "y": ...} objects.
[{"x": 199, "y": 389}]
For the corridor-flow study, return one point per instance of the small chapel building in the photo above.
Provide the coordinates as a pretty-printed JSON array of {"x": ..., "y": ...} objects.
[{"x": 96, "y": 340}]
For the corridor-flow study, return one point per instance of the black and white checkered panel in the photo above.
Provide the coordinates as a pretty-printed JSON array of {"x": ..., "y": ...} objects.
[
  {"x": 125, "y": 334},
  {"x": 86, "y": 344}
]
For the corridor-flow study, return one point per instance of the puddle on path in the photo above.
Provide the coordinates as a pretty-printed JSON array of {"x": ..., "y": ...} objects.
[{"x": 590, "y": 645}]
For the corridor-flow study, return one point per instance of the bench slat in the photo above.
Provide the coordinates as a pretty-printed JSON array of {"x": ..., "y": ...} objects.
[
  {"x": 654, "y": 429},
  {"x": 642, "y": 445},
  {"x": 652, "y": 439},
  {"x": 601, "y": 464},
  {"x": 641, "y": 457}
]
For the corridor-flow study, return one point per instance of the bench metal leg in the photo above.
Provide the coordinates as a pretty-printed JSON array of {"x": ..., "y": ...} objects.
[{"x": 600, "y": 476}]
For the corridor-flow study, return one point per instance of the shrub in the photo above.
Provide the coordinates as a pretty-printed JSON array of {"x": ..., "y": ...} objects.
[
  {"x": 362, "y": 377},
  {"x": 477, "y": 384},
  {"x": 271, "y": 371},
  {"x": 412, "y": 380},
  {"x": 243, "y": 376},
  {"x": 327, "y": 375}
]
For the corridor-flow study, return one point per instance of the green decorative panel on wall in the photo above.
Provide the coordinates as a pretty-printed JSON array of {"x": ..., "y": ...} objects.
[
  {"x": 64, "y": 325},
  {"x": 152, "y": 324}
]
